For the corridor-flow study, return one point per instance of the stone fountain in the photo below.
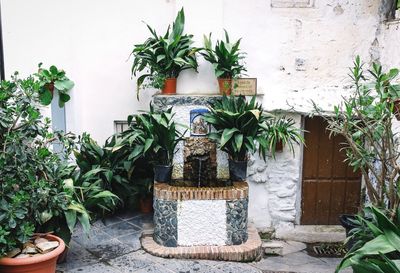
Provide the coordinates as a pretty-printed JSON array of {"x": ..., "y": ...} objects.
[{"x": 201, "y": 214}]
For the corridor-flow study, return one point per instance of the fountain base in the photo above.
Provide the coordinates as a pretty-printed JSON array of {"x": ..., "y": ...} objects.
[
  {"x": 247, "y": 252},
  {"x": 192, "y": 216}
]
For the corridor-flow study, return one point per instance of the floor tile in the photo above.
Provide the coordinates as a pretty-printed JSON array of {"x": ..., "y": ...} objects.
[{"x": 120, "y": 229}]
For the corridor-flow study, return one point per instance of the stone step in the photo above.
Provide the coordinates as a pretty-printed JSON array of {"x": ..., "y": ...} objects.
[
  {"x": 282, "y": 248},
  {"x": 313, "y": 234}
]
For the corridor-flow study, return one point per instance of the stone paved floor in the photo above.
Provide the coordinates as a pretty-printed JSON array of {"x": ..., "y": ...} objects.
[{"x": 113, "y": 246}]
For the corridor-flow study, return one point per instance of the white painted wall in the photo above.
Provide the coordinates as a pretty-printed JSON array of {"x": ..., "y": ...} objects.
[{"x": 92, "y": 40}]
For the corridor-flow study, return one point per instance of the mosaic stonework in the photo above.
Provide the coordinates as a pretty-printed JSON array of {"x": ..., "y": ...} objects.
[
  {"x": 165, "y": 222},
  {"x": 236, "y": 221},
  {"x": 189, "y": 216}
]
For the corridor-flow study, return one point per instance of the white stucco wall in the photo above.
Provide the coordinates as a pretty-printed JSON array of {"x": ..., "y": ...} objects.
[
  {"x": 201, "y": 222},
  {"x": 296, "y": 53}
]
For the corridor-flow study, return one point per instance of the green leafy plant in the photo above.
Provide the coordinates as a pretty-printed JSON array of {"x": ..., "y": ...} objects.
[
  {"x": 164, "y": 56},
  {"x": 238, "y": 126},
  {"x": 364, "y": 119},
  {"x": 53, "y": 79},
  {"x": 155, "y": 135},
  {"x": 378, "y": 243},
  {"x": 225, "y": 57},
  {"x": 281, "y": 130},
  {"x": 32, "y": 191},
  {"x": 103, "y": 170}
]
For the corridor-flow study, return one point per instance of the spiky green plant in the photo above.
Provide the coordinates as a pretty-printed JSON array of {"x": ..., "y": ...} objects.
[
  {"x": 238, "y": 126},
  {"x": 225, "y": 57},
  {"x": 164, "y": 56}
]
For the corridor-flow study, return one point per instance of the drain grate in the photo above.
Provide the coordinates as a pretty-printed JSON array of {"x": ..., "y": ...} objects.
[{"x": 327, "y": 250}]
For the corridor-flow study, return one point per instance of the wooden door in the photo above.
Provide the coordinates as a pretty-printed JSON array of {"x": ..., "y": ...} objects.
[{"x": 330, "y": 187}]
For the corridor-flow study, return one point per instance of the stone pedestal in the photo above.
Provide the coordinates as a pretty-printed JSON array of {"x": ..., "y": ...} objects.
[{"x": 189, "y": 216}]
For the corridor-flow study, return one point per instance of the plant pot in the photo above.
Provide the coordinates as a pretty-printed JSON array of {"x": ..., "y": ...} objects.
[
  {"x": 345, "y": 220},
  {"x": 396, "y": 109},
  {"x": 63, "y": 256},
  {"x": 45, "y": 263},
  {"x": 162, "y": 173},
  {"x": 146, "y": 204},
  {"x": 225, "y": 86},
  {"x": 279, "y": 146},
  {"x": 237, "y": 170},
  {"x": 169, "y": 86}
]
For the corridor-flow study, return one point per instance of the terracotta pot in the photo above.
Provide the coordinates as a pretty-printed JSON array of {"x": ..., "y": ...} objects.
[
  {"x": 396, "y": 109},
  {"x": 45, "y": 263},
  {"x": 279, "y": 146},
  {"x": 50, "y": 87},
  {"x": 225, "y": 85},
  {"x": 63, "y": 256},
  {"x": 146, "y": 204},
  {"x": 169, "y": 86}
]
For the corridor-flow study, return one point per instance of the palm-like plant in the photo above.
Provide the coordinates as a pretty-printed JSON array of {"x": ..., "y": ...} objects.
[
  {"x": 164, "y": 56},
  {"x": 225, "y": 57},
  {"x": 280, "y": 131},
  {"x": 377, "y": 247},
  {"x": 238, "y": 126},
  {"x": 156, "y": 136}
]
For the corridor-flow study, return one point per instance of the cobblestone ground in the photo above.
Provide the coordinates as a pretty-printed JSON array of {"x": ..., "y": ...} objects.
[{"x": 113, "y": 246}]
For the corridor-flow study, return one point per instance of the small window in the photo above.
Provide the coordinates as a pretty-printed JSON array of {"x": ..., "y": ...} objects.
[
  {"x": 120, "y": 126},
  {"x": 292, "y": 3}
]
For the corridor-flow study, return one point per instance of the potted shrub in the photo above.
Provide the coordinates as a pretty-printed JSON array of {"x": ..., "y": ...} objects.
[
  {"x": 156, "y": 136},
  {"x": 53, "y": 79},
  {"x": 163, "y": 57},
  {"x": 227, "y": 60},
  {"x": 365, "y": 120},
  {"x": 279, "y": 132},
  {"x": 32, "y": 192},
  {"x": 374, "y": 240},
  {"x": 242, "y": 128}
]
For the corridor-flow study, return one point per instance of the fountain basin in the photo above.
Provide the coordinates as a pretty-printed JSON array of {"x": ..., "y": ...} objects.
[{"x": 191, "y": 216}]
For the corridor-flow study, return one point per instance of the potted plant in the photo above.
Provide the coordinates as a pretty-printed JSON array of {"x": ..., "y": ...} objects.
[
  {"x": 242, "y": 128},
  {"x": 31, "y": 190},
  {"x": 144, "y": 190},
  {"x": 156, "y": 137},
  {"x": 163, "y": 57},
  {"x": 365, "y": 120},
  {"x": 53, "y": 79},
  {"x": 238, "y": 130},
  {"x": 227, "y": 60},
  {"x": 280, "y": 131}
]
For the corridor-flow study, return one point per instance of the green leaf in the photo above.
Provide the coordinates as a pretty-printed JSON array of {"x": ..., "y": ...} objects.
[
  {"x": 70, "y": 217},
  {"x": 238, "y": 141},
  {"x": 45, "y": 97},
  {"x": 227, "y": 135}
]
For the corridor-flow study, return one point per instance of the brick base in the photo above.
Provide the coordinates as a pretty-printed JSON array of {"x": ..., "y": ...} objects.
[{"x": 247, "y": 252}]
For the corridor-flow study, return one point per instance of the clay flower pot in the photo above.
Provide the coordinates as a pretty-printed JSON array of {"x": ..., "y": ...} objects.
[
  {"x": 146, "y": 204},
  {"x": 225, "y": 86},
  {"x": 45, "y": 263},
  {"x": 279, "y": 146},
  {"x": 50, "y": 87},
  {"x": 169, "y": 86}
]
